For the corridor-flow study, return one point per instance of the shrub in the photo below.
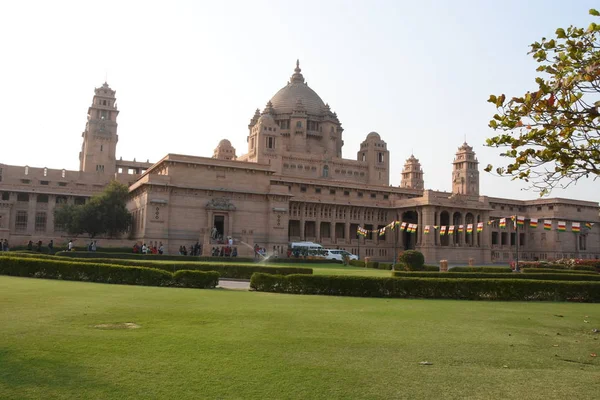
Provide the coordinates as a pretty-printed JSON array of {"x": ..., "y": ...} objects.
[
  {"x": 489, "y": 275},
  {"x": 196, "y": 279},
  {"x": 481, "y": 269},
  {"x": 556, "y": 271},
  {"x": 283, "y": 260},
  {"x": 373, "y": 264},
  {"x": 412, "y": 260},
  {"x": 434, "y": 288},
  {"x": 104, "y": 273},
  {"x": 78, "y": 271},
  {"x": 384, "y": 265},
  {"x": 136, "y": 256},
  {"x": 583, "y": 268},
  {"x": 357, "y": 263},
  {"x": 431, "y": 268},
  {"x": 225, "y": 270}
]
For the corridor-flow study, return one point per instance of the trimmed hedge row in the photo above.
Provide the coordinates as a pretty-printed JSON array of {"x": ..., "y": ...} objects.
[
  {"x": 103, "y": 273},
  {"x": 136, "y": 256},
  {"x": 457, "y": 288},
  {"x": 557, "y": 271},
  {"x": 489, "y": 275},
  {"x": 230, "y": 270},
  {"x": 493, "y": 270}
]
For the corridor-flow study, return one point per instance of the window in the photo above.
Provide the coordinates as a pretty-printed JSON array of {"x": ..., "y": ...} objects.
[
  {"x": 79, "y": 201},
  {"x": 101, "y": 147},
  {"x": 550, "y": 207},
  {"x": 385, "y": 196},
  {"x": 25, "y": 181},
  {"x": 42, "y": 198},
  {"x": 104, "y": 114},
  {"x": 64, "y": 172},
  {"x": 45, "y": 171},
  {"x": 380, "y": 157},
  {"x": 373, "y": 195},
  {"x": 494, "y": 238},
  {"x": 331, "y": 191},
  {"x": 298, "y": 124},
  {"x": 252, "y": 143},
  {"x": 285, "y": 124},
  {"x": 26, "y": 170},
  {"x": 22, "y": 197},
  {"x": 100, "y": 168},
  {"x": 40, "y": 221},
  {"x": 346, "y": 193},
  {"x": 270, "y": 142},
  {"x": 578, "y": 209},
  {"x": 503, "y": 238},
  {"x": 5, "y": 196},
  {"x": 360, "y": 194},
  {"x": 317, "y": 190},
  {"x": 62, "y": 183},
  {"x": 61, "y": 200},
  {"x": 513, "y": 239},
  {"x": 44, "y": 183},
  {"x": 21, "y": 221},
  {"x": 303, "y": 189},
  {"x": 326, "y": 171},
  {"x": 539, "y": 208}
]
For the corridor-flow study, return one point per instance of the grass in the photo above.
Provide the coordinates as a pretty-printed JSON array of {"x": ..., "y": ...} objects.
[{"x": 245, "y": 345}]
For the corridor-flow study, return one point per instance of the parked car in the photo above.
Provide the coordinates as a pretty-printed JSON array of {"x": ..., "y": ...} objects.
[{"x": 334, "y": 254}]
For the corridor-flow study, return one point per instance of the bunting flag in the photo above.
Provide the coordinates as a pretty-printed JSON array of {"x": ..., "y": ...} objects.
[
  {"x": 397, "y": 223},
  {"x": 589, "y": 225},
  {"x": 461, "y": 228},
  {"x": 562, "y": 226},
  {"x": 443, "y": 230},
  {"x": 533, "y": 222},
  {"x": 469, "y": 228},
  {"x": 361, "y": 231},
  {"x": 490, "y": 222},
  {"x": 502, "y": 223},
  {"x": 436, "y": 227},
  {"x": 403, "y": 226},
  {"x": 547, "y": 225},
  {"x": 479, "y": 227},
  {"x": 426, "y": 230},
  {"x": 412, "y": 228},
  {"x": 382, "y": 231},
  {"x": 520, "y": 221},
  {"x": 451, "y": 230},
  {"x": 575, "y": 227}
]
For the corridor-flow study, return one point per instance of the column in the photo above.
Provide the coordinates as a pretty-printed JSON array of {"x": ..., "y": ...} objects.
[
  {"x": 347, "y": 227},
  {"x": 50, "y": 215},
  {"x": 302, "y": 221},
  {"x": 31, "y": 214},
  {"x": 318, "y": 222}
]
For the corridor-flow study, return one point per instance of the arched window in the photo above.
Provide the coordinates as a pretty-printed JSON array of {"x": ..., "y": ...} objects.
[{"x": 326, "y": 171}]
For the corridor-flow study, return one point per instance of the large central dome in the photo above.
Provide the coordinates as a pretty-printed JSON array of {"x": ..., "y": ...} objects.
[{"x": 286, "y": 99}]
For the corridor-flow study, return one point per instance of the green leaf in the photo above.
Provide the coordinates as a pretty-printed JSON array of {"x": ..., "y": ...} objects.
[
  {"x": 594, "y": 12},
  {"x": 560, "y": 33}
]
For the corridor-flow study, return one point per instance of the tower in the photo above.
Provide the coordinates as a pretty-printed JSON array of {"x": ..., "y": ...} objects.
[
  {"x": 412, "y": 174},
  {"x": 375, "y": 153},
  {"x": 224, "y": 151},
  {"x": 465, "y": 173},
  {"x": 100, "y": 134}
]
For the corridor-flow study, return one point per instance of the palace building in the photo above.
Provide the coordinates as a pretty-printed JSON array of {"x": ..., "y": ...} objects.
[{"x": 292, "y": 184}]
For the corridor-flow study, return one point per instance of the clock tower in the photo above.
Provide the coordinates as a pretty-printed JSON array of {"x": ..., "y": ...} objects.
[
  {"x": 465, "y": 173},
  {"x": 100, "y": 134}
]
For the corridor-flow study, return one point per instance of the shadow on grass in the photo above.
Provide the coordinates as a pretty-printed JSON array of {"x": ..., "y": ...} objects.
[{"x": 23, "y": 374}]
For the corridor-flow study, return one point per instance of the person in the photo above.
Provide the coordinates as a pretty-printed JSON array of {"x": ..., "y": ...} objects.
[
  {"x": 51, "y": 246},
  {"x": 256, "y": 248},
  {"x": 234, "y": 252},
  {"x": 94, "y": 246},
  {"x": 136, "y": 248},
  {"x": 70, "y": 245},
  {"x": 30, "y": 245},
  {"x": 230, "y": 241},
  {"x": 90, "y": 246},
  {"x": 184, "y": 251},
  {"x": 161, "y": 249},
  {"x": 39, "y": 246},
  {"x": 213, "y": 232},
  {"x": 144, "y": 248},
  {"x": 5, "y": 245}
]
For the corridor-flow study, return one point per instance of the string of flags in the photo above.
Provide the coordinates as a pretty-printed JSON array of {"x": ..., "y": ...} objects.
[{"x": 517, "y": 220}]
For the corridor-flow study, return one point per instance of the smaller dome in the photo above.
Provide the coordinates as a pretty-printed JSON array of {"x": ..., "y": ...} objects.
[
  {"x": 374, "y": 135},
  {"x": 224, "y": 143},
  {"x": 266, "y": 118}
]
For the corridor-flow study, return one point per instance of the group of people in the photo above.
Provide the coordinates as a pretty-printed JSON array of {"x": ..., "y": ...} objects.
[
  {"x": 151, "y": 249},
  {"x": 3, "y": 244},
  {"x": 224, "y": 251},
  {"x": 38, "y": 246},
  {"x": 195, "y": 250},
  {"x": 259, "y": 252}
]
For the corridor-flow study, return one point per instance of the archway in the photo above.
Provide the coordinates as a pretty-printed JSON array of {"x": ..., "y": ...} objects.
[
  {"x": 444, "y": 221},
  {"x": 457, "y": 221},
  {"x": 409, "y": 239}
]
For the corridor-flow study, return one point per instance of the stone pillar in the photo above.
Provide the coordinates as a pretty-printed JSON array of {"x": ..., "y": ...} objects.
[
  {"x": 302, "y": 221},
  {"x": 347, "y": 232},
  {"x": 31, "y": 214},
  {"x": 50, "y": 215},
  {"x": 318, "y": 222}
]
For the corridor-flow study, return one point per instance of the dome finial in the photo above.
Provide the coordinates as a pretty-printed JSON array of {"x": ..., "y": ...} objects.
[{"x": 297, "y": 76}]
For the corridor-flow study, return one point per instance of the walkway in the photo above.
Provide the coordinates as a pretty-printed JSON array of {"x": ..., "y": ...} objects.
[{"x": 234, "y": 284}]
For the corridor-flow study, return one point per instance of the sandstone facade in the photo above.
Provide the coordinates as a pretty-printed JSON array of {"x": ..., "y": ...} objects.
[{"x": 292, "y": 185}]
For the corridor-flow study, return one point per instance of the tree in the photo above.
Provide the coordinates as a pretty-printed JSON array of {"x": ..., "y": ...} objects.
[
  {"x": 105, "y": 213},
  {"x": 552, "y": 133}
]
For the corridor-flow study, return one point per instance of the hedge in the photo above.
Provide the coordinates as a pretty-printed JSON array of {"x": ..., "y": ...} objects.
[
  {"x": 95, "y": 272},
  {"x": 195, "y": 279},
  {"x": 489, "y": 275},
  {"x": 458, "y": 288},
  {"x": 556, "y": 271},
  {"x": 481, "y": 269},
  {"x": 412, "y": 260},
  {"x": 431, "y": 268},
  {"x": 137, "y": 256},
  {"x": 229, "y": 270}
]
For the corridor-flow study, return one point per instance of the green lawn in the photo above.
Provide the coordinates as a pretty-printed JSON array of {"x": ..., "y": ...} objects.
[{"x": 195, "y": 344}]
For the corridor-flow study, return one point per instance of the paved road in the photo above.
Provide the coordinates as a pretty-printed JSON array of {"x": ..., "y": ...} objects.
[{"x": 236, "y": 285}]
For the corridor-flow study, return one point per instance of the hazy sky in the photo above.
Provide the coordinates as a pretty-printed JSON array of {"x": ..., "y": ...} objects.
[{"x": 189, "y": 73}]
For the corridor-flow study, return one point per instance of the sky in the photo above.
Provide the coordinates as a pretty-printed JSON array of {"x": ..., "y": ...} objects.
[{"x": 190, "y": 73}]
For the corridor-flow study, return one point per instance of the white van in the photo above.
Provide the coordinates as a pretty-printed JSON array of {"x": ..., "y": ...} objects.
[{"x": 334, "y": 254}]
